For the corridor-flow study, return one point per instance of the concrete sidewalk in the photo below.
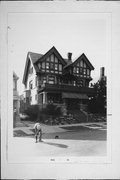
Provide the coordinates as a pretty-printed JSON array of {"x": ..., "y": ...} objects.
[{"x": 27, "y": 127}]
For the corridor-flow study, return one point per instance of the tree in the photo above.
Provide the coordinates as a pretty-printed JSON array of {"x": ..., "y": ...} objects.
[{"x": 97, "y": 103}]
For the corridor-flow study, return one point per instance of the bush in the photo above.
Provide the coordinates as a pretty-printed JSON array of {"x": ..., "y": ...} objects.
[
  {"x": 52, "y": 110},
  {"x": 32, "y": 111},
  {"x": 44, "y": 115}
]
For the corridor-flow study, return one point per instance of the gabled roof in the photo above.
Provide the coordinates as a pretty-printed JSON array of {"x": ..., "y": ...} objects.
[
  {"x": 83, "y": 56},
  {"x": 48, "y": 53},
  {"x": 34, "y": 58}
]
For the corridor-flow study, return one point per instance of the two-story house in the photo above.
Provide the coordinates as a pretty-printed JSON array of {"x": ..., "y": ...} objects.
[{"x": 49, "y": 78}]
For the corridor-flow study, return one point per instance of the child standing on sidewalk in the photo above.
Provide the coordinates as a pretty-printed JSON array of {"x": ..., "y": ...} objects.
[{"x": 38, "y": 131}]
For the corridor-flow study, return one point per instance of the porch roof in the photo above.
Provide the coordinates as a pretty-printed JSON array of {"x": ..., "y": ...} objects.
[{"x": 74, "y": 96}]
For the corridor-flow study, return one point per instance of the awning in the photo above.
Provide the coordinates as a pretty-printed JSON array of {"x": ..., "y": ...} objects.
[{"x": 74, "y": 96}]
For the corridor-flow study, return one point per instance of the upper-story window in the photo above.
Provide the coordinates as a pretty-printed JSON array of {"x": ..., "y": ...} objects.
[
  {"x": 56, "y": 60},
  {"x": 56, "y": 66},
  {"x": 84, "y": 71},
  {"x": 84, "y": 65},
  {"x": 81, "y": 63},
  {"x": 60, "y": 67},
  {"x": 74, "y": 69},
  {"x": 77, "y": 70},
  {"x": 88, "y": 72},
  {"x": 48, "y": 59},
  {"x": 43, "y": 65},
  {"x": 81, "y": 70},
  {"x": 52, "y": 58},
  {"x": 47, "y": 65},
  {"x": 39, "y": 65},
  {"x": 51, "y": 65},
  {"x": 31, "y": 84}
]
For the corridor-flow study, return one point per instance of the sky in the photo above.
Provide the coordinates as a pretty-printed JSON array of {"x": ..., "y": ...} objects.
[{"x": 68, "y": 32}]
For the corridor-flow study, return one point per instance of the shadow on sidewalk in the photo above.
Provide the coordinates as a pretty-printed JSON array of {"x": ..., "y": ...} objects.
[{"x": 56, "y": 144}]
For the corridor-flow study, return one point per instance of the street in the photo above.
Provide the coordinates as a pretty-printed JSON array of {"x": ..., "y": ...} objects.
[{"x": 72, "y": 140}]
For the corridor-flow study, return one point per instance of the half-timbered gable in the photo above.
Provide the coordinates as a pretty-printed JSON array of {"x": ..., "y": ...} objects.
[
  {"x": 50, "y": 67},
  {"x": 49, "y": 78}
]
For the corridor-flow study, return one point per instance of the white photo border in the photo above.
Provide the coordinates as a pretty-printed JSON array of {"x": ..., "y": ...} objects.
[{"x": 7, "y": 98}]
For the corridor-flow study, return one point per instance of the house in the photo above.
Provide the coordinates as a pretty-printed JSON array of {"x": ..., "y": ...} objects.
[
  {"x": 49, "y": 78},
  {"x": 16, "y": 100}
]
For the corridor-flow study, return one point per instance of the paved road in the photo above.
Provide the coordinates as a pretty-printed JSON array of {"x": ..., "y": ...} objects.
[{"x": 74, "y": 140}]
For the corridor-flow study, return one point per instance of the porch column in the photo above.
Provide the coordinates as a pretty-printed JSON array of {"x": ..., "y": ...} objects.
[{"x": 44, "y": 97}]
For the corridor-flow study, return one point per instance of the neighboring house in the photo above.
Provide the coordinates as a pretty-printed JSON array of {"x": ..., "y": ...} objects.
[
  {"x": 22, "y": 103},
  {"x": 16, "y": 101},
  {"x": 50, "y": 78}
]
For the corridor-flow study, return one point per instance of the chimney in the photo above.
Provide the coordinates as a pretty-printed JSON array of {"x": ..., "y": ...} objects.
[
  {"x": 102, "y": 72},
  {"x": 69, "y": 56}
]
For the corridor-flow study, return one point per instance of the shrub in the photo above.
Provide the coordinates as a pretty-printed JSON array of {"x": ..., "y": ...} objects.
[
  {"x": 32, "y": 111},
  {"x": 52, "y": 110}
]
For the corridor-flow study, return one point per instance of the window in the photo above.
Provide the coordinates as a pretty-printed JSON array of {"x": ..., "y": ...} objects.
[
  {"x": 39, "y": 65},
  {"x": 52, "y": 58},
  {"x": 56, "y": 66},
  {"x": 78, "y": 64},
  {"x": 88, "y": 72},
  {"x": 81, "y": 70},
  {"x": 84, "y": 65},
  {"x": 56, "y": 60},
  {"x": 51, "y": 80},
  {"x": 81, "y": 63},
  {"x": 60, "y": 67},
  {"x": 81, "y": 83},
  {"x": 84, "y": 71},
  {"x": 51, "y": 65},
  {"x": 48, "y": 59},
  {"x": 47, "y": 65},
  {"x": 30, "y": 85},
  {"x": 43, "y": 65},
  {"x": 77, "y": 70},
  {"x": 74, "y": 83},
  {"x": 44, "y": 80},
  {"x": 74, "y": 70}
]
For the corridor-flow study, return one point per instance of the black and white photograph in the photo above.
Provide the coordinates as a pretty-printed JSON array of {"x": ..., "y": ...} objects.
[
  {"x": 59, "y": 87},
  {"x": 59, "y": 84}
]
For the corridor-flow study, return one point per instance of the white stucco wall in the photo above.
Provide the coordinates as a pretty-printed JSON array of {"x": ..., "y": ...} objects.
[{"x": 32, "y": 77}]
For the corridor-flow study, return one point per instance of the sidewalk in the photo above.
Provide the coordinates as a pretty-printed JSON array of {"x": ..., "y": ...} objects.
[{"x": 27, "y": 127}]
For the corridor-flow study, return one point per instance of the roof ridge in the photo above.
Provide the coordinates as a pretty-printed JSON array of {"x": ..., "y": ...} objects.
[{"x": 34, "y": 52}]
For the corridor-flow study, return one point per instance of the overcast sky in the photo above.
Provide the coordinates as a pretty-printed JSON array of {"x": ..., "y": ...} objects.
[{"x": 68, "y": 32}]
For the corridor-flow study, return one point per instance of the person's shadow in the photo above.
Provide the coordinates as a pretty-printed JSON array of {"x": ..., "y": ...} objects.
[{"x": 56, "y": 144}]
